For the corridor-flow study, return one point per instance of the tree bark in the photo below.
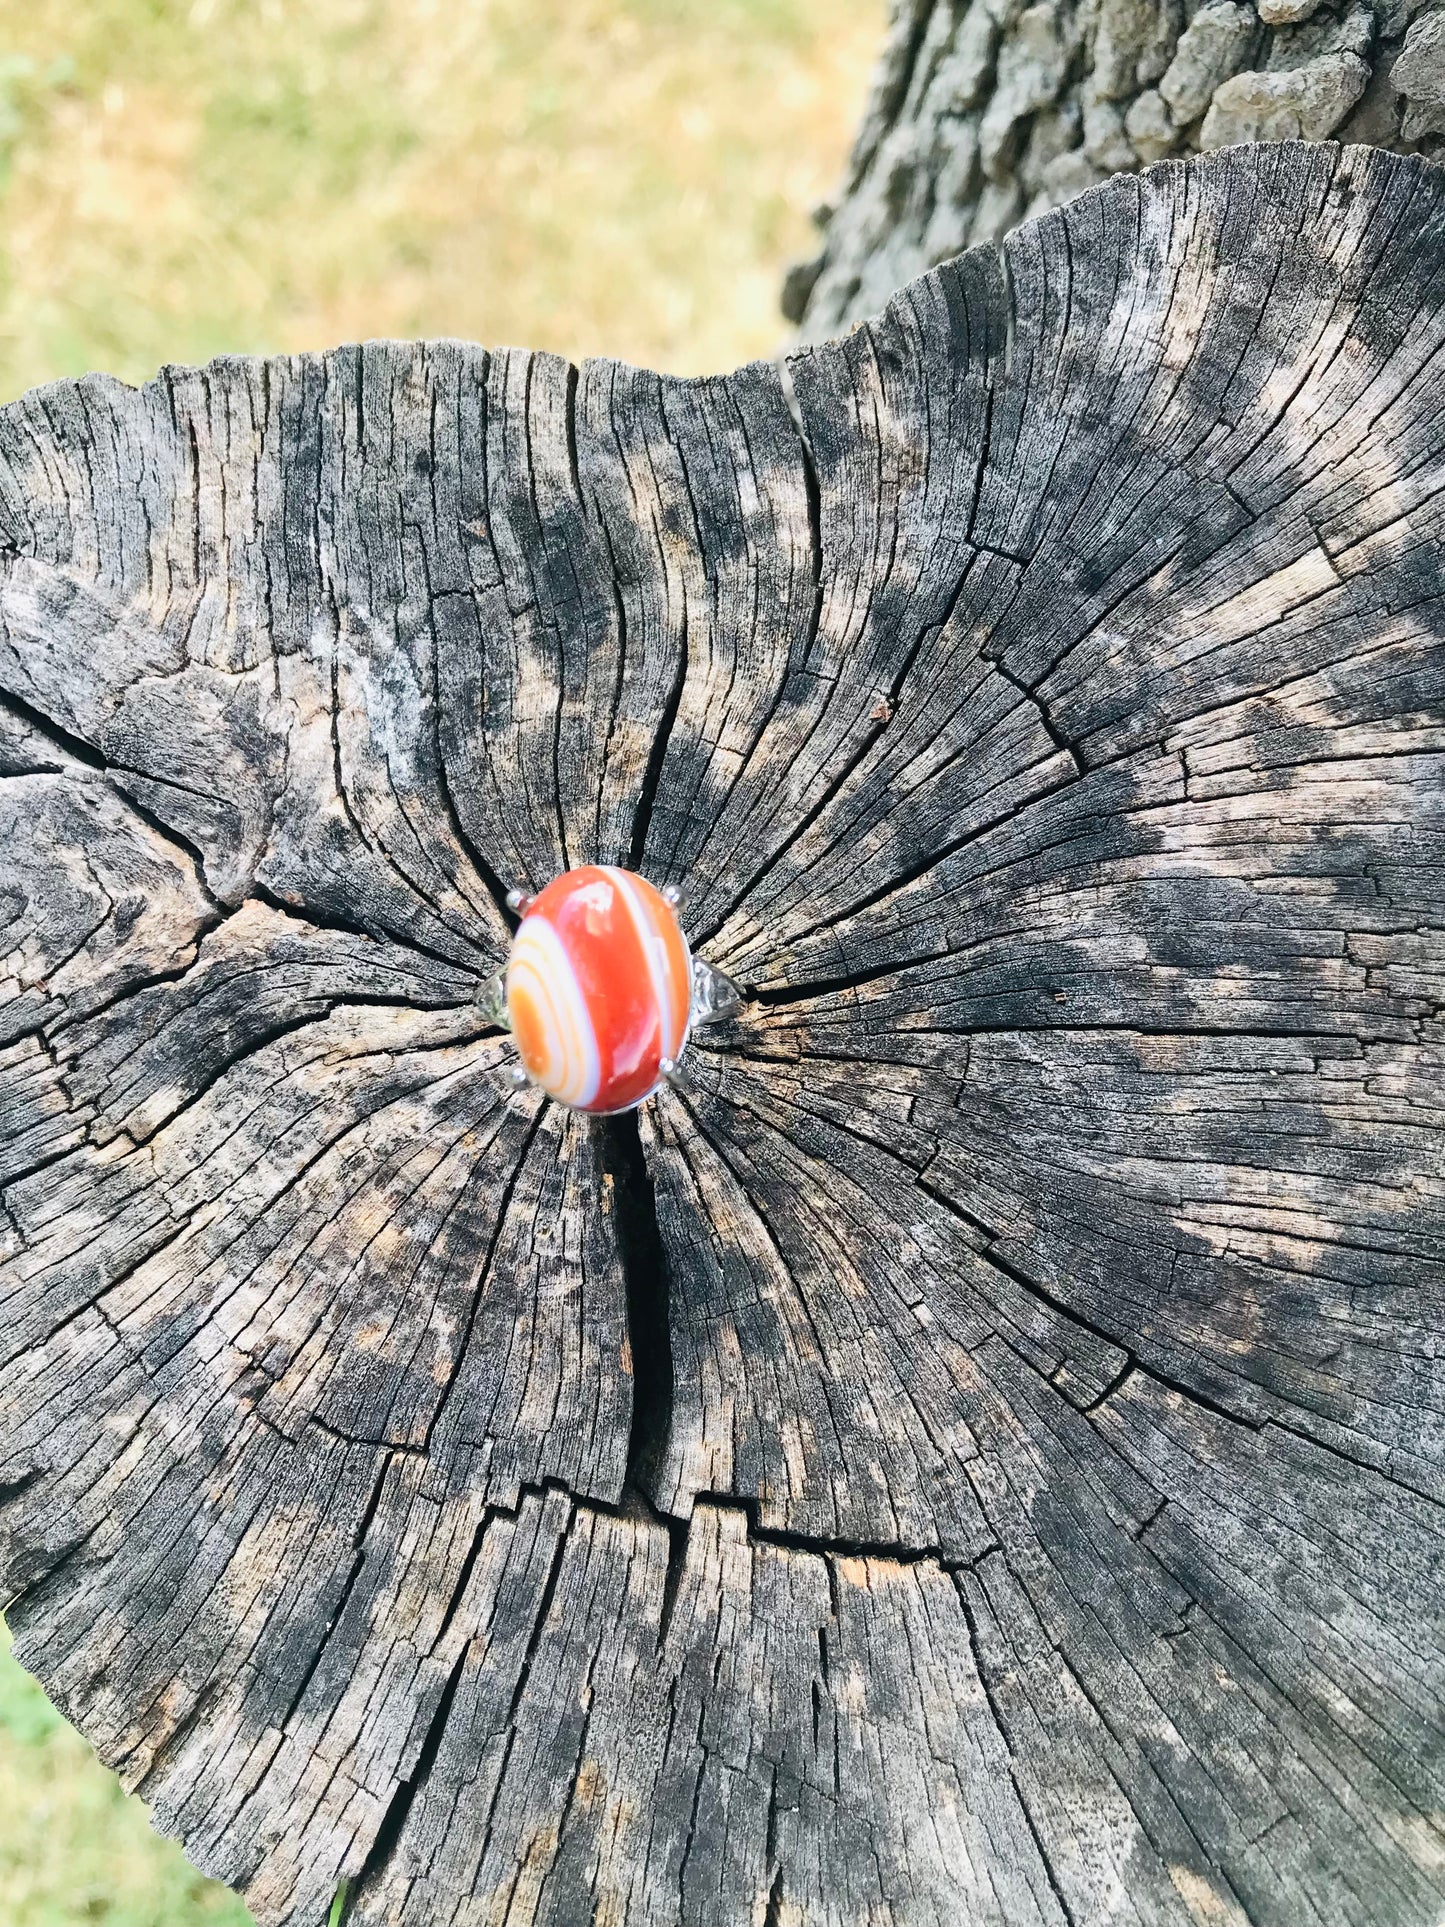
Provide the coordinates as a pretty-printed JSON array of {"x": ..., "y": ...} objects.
[
  {"x": 985, "y": 112},
  {"x": 975, "y": 1451}
]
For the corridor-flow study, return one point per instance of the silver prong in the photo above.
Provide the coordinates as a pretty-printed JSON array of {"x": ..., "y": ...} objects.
[
  {"x": 519, "y": 1077},
  {"x": 671, "y": 894},
  {"x": 520, "y": 901},
  {"x": 675, "y": 1077},
  {"x": 667, "y": 1066}
]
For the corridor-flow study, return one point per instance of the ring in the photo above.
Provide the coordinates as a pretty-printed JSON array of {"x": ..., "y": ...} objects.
[{"x": 601, "y": 990}]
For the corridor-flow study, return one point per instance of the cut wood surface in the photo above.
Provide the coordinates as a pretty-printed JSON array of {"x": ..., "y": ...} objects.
[{"x": 975, "y": 1452}]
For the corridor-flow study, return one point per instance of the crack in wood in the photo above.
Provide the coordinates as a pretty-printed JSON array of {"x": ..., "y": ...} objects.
[
  {"x": 645, "y": 1272},
  {"x": 388, "y": 1834}
]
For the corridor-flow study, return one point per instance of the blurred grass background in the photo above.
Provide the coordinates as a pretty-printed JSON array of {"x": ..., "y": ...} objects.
[
  {"x": 183, "y": 178},
  {"x": 73, "y": 1848},
  {"x": 180, "y": 178}
]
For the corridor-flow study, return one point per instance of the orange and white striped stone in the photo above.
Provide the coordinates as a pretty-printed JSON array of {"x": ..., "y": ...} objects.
[{"x": 599, "y": 988}]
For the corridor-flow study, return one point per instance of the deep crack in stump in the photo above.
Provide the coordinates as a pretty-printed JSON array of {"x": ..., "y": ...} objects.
[{"x": 644, "y": 1270}]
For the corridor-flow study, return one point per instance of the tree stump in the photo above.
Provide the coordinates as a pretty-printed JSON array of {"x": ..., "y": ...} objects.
[{"x": 975, "y": 1451}]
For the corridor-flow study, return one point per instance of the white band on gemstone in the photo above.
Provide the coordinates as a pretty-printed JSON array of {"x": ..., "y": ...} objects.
[
  {"x": 540, "y": 967},
  {"x": 654, "y": 949}
]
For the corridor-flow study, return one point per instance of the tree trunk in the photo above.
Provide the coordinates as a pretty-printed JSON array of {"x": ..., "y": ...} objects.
[
  {"x": 975, "y": 1450},
  {"x": 984, "y": 112}
]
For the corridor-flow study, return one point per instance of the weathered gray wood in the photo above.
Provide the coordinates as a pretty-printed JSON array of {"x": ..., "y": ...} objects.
[
  {"x": 983, "y": 112},
  {"x": 976, "y": 1451}
]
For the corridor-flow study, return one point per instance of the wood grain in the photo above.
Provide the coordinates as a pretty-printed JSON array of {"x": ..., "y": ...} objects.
[{"x": 975, "y": 1449}]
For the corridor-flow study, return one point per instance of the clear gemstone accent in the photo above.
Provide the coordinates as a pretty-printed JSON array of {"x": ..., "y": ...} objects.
[
  {"x": 714, "y": 996},
  {"x": 491, "y": 1000}
]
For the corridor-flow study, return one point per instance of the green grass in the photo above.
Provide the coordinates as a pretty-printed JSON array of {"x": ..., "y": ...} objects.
[
  {"x": 74, "y": 1850},
  {"x": 180, "y": 178}
]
